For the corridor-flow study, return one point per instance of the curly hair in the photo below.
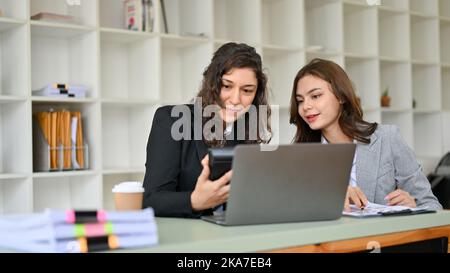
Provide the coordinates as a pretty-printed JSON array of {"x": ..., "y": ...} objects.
[
  {"x": 227, "y": 57},
  {"x": 351, "y": 117}
]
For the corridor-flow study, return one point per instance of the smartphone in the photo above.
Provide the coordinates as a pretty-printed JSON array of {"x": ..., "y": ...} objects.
[{"x": 220, "y": 160}]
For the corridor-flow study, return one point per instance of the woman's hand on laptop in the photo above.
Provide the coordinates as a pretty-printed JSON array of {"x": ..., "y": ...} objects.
[
  {"x": 354, "y": 196},
  {"x": 209, "y": 194}
]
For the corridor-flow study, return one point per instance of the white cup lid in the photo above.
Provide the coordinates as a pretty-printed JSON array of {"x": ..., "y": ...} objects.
[{"x": 128, "y": 186}]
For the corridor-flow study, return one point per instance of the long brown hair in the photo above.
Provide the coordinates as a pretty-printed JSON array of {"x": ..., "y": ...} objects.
[
  {"x": 351, "y": 116},
  {"x": 227, "y": 57}
]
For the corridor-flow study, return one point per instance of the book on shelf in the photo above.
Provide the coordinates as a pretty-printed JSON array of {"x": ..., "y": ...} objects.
[
  {"x": 78, "y": 231},
  {"x": 139, "y": 15},
  {"x": 164, "y": 16},
  {"x": 54, "y": 17}
]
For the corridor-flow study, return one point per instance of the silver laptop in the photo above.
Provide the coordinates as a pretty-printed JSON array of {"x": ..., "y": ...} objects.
[{"x": 294, "y": 183}]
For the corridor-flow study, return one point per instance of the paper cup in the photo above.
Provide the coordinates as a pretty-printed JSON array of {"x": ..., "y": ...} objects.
[{"x": 128, "y": 195}]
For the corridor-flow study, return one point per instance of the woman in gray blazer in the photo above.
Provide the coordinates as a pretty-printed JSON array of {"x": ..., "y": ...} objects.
[{"x": 325, "y": 108}]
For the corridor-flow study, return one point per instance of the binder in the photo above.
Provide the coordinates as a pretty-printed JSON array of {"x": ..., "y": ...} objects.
[{"x": 58, "y": 141}]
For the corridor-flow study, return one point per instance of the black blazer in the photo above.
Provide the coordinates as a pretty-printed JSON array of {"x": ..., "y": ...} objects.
[{"x": 172, "y": 167}]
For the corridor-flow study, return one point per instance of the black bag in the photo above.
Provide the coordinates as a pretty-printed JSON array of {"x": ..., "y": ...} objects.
[{"x": 440, "y": 181}]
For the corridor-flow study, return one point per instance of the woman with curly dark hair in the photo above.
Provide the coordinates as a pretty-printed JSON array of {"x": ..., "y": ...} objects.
[{"x": 177, "y": 174}]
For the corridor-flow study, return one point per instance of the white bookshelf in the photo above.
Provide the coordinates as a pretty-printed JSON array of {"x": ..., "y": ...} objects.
[
  {"x": 365, "y": 74},
  {"x": 445, "y": 40},
  {"x": 360, "y": 29},
  {"x": 393, "y": 34},
  {"x": 425, "y": 39},
  {"x": 402, "y": 45},
  {"x": 444, "y": 9},
  {"x": 281, "y": 65},
  {"x": 396, "y": 76},
  {"x": 428, "y": 7}
]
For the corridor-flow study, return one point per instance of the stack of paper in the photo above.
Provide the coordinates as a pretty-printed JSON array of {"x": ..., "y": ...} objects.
[
  {"x": 373, "y": 209},
  {"x": 78, "y": 231},
  {"x": 62, "y": 90}
]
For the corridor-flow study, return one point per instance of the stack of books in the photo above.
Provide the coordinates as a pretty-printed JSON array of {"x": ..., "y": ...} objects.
[
  {"x": 78, "y": 231},
  {"x": 62, "y": 90},
  {"x": 139, "y": 15}
]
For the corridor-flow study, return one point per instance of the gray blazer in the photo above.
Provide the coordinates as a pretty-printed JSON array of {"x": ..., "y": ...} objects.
[{"x": 387, "y": 164}]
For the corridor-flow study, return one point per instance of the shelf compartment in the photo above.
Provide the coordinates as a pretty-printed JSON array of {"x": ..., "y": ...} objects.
[
  {"x": 399, "y": 5},
  {"x": 124, "y": 75},
  {"x": 72, "y": 59},
  {"x": 14, "y": 127},
  {"x": 112, "y": 15},
  {"x": 397, "y": 77},
  {"x": 182, "y": 70},
  {"x": 445, "y": 41},
  {"x": 237, "y": 20},
  {"x": 426, "y": 87},
  {"x": 444, "y": 8},
  {"x": 365, "y": 75},
  {"x": 427, "y": 7},
  {"x": 281, "y": 68},
  {"x": 84, "y": 14},
  {"x": 325, "y": 33},
  {"x": 425, "y": 39},
  {"x": 394, "y": 35},
  {"x": 360, "y": 29},
  {"x": 282, "y": 22},
  {"x": 109, "y": 180},
  {"x": 67, "y": 192},
  {"x": 90, "y": 121},
  {"x": 14, "y": 9},
  {"x": 121, "y": 148},
  {"x": 15, "y": 195},
  {"x": 445, "y": 77},
  {"x": 188, "y": 18},
  {"x": 428, "y": 134},
  {"x": 404, "y": 121},
  {"x": 14, "y": 73}
]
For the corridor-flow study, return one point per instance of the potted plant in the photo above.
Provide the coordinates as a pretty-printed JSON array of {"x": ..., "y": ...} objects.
[{"x": 385, "y": 99}]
